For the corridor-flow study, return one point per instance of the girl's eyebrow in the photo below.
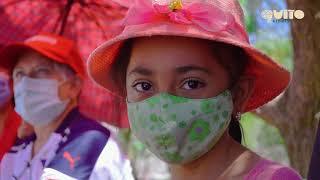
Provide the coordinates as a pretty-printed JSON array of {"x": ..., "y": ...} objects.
[
  {"x": 188, "y": 68},
  {"x": 141, "y": 70}
]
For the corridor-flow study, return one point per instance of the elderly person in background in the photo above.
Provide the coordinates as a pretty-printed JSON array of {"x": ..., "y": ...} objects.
[{"x": 47, "y": 74}]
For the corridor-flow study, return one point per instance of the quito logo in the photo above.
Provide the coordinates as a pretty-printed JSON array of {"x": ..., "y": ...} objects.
[{"x": 282, "y": 15}]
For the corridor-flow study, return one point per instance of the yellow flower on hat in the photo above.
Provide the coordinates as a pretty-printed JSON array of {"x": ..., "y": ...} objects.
[{"x": 175, "y": 5}]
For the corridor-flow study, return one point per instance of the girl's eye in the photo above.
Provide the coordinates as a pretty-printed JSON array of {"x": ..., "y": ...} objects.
[
  {"x": 142, "y": 86},
  {"x": 192, "y": 84}
]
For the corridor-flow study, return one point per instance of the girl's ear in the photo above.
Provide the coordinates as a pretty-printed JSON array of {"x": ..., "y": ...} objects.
[{"x": 241, "y": 92}]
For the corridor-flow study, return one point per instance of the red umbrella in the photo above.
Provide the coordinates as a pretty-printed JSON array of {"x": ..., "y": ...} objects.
[{"x": 88, "y": 22}]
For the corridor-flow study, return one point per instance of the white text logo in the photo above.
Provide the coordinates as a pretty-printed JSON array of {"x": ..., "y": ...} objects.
[{"x": 278, "y": 15}]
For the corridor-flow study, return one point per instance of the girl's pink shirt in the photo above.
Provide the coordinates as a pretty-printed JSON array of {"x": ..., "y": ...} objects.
[{"x": 268, "y": 170}]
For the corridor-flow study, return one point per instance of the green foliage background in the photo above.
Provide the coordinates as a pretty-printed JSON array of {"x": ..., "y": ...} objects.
[{"x": 274, "y": 39}]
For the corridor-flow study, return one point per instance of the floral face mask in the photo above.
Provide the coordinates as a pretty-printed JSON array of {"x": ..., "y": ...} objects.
[{"x": 179, "y": 130}]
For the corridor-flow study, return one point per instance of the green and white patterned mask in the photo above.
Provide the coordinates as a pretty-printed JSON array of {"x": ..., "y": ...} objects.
[{"x": 179, "y": 130}]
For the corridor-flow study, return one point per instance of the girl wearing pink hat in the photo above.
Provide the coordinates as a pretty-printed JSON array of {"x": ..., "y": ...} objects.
[{"x": 188, "y": 72}]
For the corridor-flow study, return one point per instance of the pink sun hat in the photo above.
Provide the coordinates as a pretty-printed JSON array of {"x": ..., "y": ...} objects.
[{"x": 214, "y": 20}]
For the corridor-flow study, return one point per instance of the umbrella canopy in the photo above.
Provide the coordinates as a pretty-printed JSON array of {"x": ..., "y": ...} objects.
[{"x": 88, "y": 22}]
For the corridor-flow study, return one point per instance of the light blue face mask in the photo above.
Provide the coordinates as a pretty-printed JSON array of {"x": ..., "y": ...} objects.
[{"x": 37, "y": 100}]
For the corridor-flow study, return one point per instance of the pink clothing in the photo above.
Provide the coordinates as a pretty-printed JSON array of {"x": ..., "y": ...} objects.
[{"x": 268, "y": 170}]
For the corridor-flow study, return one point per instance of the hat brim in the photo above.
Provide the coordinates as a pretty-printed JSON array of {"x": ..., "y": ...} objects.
[
  {"x": 270, "y": 79},
  {"x": 9, "y": 54}
]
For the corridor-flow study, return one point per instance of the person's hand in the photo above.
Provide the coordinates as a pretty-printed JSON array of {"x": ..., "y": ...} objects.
[{"x": 25, "y": 130}]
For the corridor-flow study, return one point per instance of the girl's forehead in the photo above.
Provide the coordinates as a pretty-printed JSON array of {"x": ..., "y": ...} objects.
[
  {"x": 170, "y": 46},
  {"x": 172, "y": 51},
  {"x": 174, "y": 56}
]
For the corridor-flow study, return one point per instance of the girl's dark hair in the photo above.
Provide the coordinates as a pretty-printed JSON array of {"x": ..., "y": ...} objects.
[
  {"x": 232, "y": 58},
  {"x": 235, "y": 130},
  {"x": 120, "y": 66}
]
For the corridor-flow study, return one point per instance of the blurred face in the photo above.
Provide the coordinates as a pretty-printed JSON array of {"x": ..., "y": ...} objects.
[
  {"x": 34, "y": 65},
  {"x": 5, "y": 92},
  {"x": 180, "y": 66}
]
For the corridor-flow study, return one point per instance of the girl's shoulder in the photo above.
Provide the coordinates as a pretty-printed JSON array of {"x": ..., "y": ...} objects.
[{"x": 269, "y": 170}]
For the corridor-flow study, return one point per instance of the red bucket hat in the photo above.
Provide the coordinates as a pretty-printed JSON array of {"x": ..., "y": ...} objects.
[
  {"x": 54, "y": 47},
  {"x": 214, "y": 20}
]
